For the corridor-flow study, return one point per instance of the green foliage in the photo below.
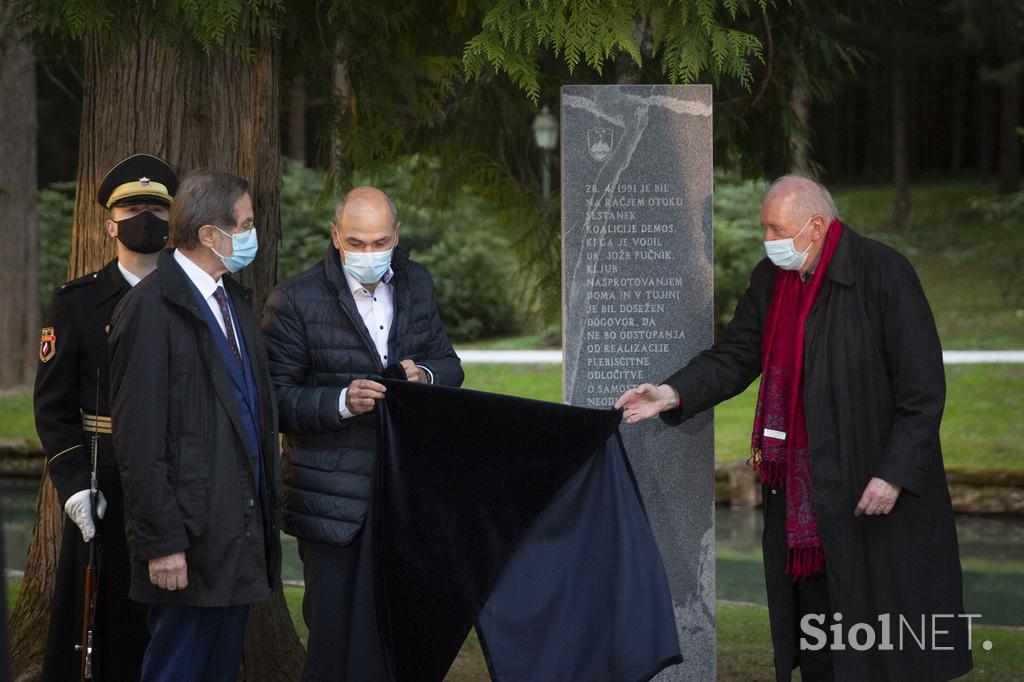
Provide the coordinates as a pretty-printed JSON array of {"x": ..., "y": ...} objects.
[
  {"x": 992, "y": 28},
  {"x": 693, "y": 39},
  {"x": 305, "y": 219},
  {"x": 738, "y": 240},
  {"x": 694, "y": 42},
  {"x": 516, "y": 31},
  {"x": 181, "y": 24},
  {"x": 474, "y": 280},
  {"x": 55, "y": 210}
]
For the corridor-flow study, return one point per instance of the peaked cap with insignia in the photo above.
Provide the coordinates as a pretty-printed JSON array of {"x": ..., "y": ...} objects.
[{"x": 139, "y": 179}]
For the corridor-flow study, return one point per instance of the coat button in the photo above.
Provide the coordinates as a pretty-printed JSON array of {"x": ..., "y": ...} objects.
[
  {"x": 251, "y": 503},
  {"x": 774, "y": 491},
  {"x": 248, "y": 533}
]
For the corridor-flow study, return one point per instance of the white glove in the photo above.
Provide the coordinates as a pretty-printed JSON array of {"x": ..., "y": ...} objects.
[{"x": 79, "y": 509}]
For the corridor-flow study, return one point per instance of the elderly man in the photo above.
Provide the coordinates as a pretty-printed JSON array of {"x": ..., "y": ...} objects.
[
  {"x": 195, "y": 437},
  {"x": 366, "y": 308},
  {"x": 858, "y": 521},
  {"x": 72, "y": 415}
]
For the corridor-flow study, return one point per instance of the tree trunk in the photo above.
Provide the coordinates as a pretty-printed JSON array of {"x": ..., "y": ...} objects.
[
  {"x": 297, "y": 120},
  {"x": 901, "y": 190},
  {"x": 210, "y": 110},
  {"x": 987, "y": 120},
  {"x": 19, "y": 315},
  {"x": 799, "y": 142},
  {"x": 343, "y": 95},
  {"x": 1009, "y": 140}
]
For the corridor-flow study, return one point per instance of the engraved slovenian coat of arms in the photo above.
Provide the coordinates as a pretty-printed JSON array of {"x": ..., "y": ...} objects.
[{"x": 600, "y": 143}]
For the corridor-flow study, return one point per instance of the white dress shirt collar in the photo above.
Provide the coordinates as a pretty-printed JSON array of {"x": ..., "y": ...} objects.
[
  {"x": 206, "y": 284},
  {"x": 128, "y": 275}
]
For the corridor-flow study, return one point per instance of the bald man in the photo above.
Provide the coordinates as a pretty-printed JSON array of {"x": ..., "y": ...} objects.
[
  {"x": 331, "y": 332},
  {"x": 859, "y": 533}
]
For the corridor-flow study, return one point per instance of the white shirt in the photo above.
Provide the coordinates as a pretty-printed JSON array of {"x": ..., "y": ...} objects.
[
  {"x": 377, "y": 309},
  {"x": 128, "y": 275},
  {"x": 207, "y": 286}
]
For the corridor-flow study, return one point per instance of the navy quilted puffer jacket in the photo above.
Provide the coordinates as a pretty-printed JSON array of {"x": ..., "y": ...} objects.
[{"x": 317, "y": 345}]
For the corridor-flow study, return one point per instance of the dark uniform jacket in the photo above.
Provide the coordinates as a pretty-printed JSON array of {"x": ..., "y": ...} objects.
[
  {"x": 72, "y": 357},
  {"x": 874, "y": 389},
  {"x": 178, "y": 436},
  {"x": 318, "y": 345}
]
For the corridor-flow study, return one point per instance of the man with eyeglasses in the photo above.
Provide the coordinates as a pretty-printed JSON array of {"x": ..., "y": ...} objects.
[{"x": 195, "y": 437}]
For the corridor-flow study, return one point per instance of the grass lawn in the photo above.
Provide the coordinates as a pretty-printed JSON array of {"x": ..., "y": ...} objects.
[
  {"x": 979, "y": 428},
  {"x": 958, "y": 259},
  {"x": 16, "y": 419},
  {"x": 744, "y": 645}
]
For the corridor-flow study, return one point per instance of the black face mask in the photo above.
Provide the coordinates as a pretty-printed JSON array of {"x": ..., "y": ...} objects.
[{"x": 142, "y": 233}]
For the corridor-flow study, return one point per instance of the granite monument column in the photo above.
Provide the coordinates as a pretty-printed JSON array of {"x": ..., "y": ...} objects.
[{"x": 638, "y": 304}]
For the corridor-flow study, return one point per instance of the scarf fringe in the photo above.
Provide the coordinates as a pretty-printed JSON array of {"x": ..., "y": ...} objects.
[
  {"x": 772, "y": 473},
  {"x": 802, "y": 562}
]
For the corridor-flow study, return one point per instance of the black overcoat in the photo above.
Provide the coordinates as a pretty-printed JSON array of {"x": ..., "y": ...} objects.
[
  {"x": 181, "y": 449},
  {"x": 72, "y": 357},
  {"x": 874, "y": 389}
]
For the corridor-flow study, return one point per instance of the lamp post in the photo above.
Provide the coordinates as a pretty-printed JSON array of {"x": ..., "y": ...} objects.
[{"x": 545, "y": 134}]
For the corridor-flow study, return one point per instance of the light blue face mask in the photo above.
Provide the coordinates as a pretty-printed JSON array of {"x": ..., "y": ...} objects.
[
  {"x": 243, "y": 249},
  {"x": 783, "y": 253},
  {"x": 367, "y": 267}
]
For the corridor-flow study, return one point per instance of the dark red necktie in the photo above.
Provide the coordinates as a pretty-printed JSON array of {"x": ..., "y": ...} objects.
[{"x": 225, "y": 311}]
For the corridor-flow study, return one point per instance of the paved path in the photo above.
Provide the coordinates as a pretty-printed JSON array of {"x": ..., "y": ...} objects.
[{"x": 554, "y": 357}]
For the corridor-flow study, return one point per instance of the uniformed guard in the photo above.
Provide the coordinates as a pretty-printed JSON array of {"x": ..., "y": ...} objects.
[{"x": 71, "y": 409}]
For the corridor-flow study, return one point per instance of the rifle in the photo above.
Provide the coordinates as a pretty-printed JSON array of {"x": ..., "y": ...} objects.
[{"x": 85, "y": 646}]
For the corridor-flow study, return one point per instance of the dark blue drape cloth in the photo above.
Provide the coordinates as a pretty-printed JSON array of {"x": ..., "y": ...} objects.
[{"x": 523, "y": 517}]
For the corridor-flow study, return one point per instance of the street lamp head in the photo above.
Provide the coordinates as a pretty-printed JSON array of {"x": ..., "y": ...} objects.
[{"x": 545, "y": 129}]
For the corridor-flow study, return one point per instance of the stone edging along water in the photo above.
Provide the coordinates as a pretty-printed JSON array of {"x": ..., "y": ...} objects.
[{"x": 974, "y": 491}]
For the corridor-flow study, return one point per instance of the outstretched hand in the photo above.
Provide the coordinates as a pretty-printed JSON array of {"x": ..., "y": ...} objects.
[{"x": 646, "y": 401}]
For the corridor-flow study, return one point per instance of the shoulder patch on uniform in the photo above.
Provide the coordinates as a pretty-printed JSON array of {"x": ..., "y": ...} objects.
[
  {"x": 47, "y": 344},
  {"x": 77, "y": 282}
]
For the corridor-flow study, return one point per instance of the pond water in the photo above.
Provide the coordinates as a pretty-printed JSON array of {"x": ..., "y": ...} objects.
[{"x": 991, "y": 552}]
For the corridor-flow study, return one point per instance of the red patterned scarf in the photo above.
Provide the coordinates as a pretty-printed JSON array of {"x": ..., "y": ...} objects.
[{"x": 779, "y": 449}]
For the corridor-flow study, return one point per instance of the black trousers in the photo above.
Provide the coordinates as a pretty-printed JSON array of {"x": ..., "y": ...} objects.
[
  {"x": 339, "y": 611},
  {"x": 121, "y": 636},
  {"x": 807, "y": 595}
]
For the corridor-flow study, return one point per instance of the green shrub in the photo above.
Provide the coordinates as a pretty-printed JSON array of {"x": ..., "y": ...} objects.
[
  {"x": 305, "y": 219},
  {"x": 473, "y": 279},
  {"x": 739, "y": 240},
  {"x": 55, "y": 210}
]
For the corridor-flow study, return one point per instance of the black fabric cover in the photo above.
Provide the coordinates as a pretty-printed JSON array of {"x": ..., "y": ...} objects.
[{"x": 523, "y": 514}]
